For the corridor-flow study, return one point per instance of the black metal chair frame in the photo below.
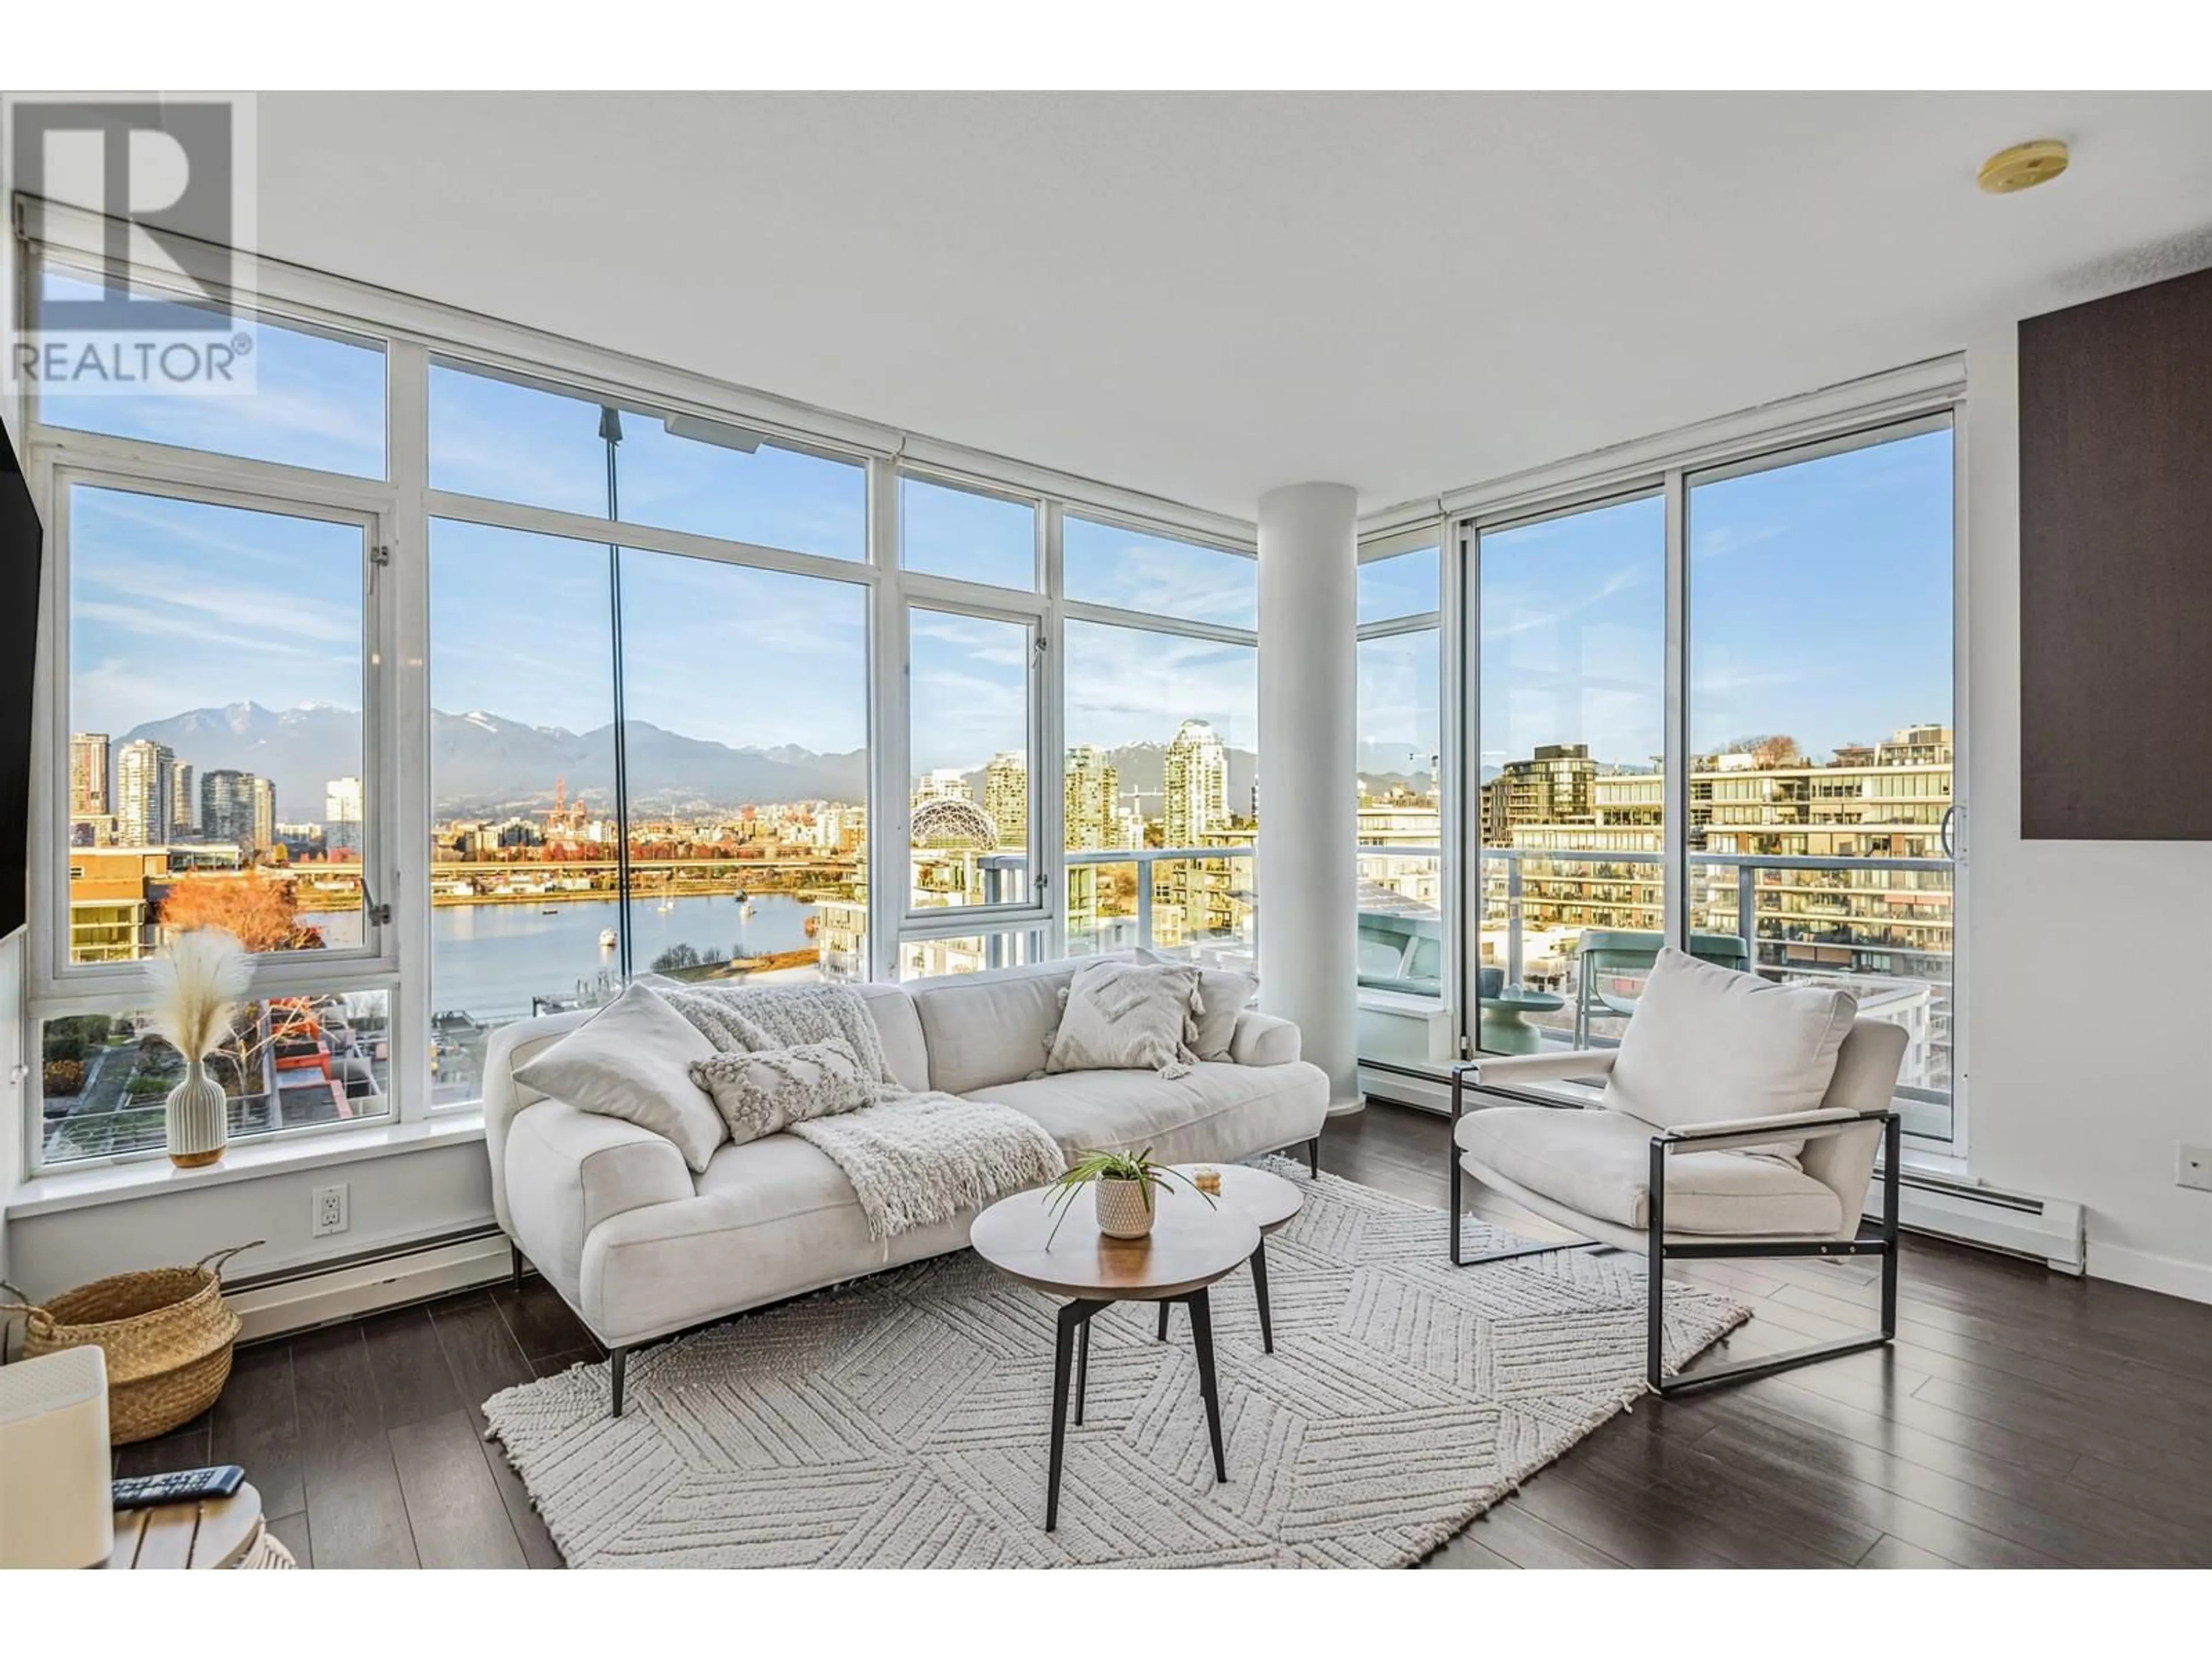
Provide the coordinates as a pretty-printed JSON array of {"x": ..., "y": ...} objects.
[{"x": 1873, "y": 1239}]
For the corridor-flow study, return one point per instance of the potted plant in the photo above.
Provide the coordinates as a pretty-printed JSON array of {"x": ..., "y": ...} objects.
[
  {"x": 1121, "y": 1185},
  {"x": 197, "y": 986}
]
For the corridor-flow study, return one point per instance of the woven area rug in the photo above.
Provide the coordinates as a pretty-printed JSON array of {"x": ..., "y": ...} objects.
[{"x": 902, "y": 1421}]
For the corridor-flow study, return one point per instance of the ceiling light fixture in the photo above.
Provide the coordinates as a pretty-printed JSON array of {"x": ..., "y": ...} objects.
[{"x": 2023, "y": 166}]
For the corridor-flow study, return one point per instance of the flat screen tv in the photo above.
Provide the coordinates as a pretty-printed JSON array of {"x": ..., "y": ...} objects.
[{"x": 20, "y": 559}]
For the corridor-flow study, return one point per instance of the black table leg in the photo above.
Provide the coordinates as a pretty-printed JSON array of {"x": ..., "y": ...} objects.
[
  {"x": 1165, "y": 1306},
  {"x": 1260, "y": 1284},
  {"x": 1201, "y": 1336},
  {"x": 1072, "y": 1316},
  {"x": 1082, "y": 1367}
]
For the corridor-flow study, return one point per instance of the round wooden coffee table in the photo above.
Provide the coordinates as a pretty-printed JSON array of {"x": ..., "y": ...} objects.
[
  {"x": 1270, "y": 1201},
  {"x": 1192, "y": 1243}
]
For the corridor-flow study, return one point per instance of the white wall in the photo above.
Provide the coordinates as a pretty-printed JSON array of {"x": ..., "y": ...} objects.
[
  {"x": 2089, "y": 964},
  {"x": 395, "y": 1199}
]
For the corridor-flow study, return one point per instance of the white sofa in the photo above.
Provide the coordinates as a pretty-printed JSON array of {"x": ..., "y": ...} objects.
[{"x": 640, "y": 1247}]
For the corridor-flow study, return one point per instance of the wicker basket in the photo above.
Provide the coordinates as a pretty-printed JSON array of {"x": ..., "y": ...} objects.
[{"x": 166, "y": 1333}]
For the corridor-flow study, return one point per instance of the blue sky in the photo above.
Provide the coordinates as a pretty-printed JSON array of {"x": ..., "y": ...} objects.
[
  {"x": 175, "y": 605},
  {"x": 1819, "y": 607}
]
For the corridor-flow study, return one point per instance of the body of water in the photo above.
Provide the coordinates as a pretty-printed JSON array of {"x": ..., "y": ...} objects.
[{"x": 489, "y": 960}]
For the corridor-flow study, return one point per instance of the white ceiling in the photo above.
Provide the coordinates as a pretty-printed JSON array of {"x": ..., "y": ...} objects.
[{"x": 1205, "y": 297}]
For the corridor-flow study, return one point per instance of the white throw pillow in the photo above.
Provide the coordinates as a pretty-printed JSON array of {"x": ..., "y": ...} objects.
[
  {"x": 1224, "y": 993},
  {"x": 1707, "y": 1043},
  {"x": 1125, "y": 1016},
  {"x": 629, "y": 1061},
  {"x": 767, "y": 1090}
]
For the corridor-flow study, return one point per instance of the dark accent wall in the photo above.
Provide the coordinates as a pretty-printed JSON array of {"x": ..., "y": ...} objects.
[
  {"x": 18, "y": 636},
  {"x": 2116, "y": 567}
]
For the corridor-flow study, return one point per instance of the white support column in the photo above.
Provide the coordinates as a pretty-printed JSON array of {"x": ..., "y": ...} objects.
[{"x": 1308, "y": 808}]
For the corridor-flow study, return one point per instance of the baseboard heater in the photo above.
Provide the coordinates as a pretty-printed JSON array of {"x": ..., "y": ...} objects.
[
  {"x": 321, "y": 1292},
  {"x": 2046, "y": 1230}
]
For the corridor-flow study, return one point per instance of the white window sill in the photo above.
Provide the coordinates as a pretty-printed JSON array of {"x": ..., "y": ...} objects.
[{"x": 56, "y": 1190}]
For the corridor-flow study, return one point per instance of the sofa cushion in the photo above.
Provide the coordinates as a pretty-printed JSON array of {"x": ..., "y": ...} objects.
[
  {"x": 988, "y": 1028},
  {"x": 1599, "y": 1163},
  {"x": 1224, "y": 993},
  {"x": 1219, "y": 1110},
  {"x": 900, "y": 1029},
  {"x": 1126, "y": 1016},
  {"x": 631, "y": 1061},
  {"x": 767, "y": 1090},
  {"x": 1708, "y": 1042}
]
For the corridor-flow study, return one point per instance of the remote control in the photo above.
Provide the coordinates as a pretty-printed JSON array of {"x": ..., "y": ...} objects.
[{"x": 184, "y": 1486}]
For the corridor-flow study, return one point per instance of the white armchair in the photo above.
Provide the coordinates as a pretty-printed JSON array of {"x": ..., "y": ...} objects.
[{"x": 1739, "y": 1119}]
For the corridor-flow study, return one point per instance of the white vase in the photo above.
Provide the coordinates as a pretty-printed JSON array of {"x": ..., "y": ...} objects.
[
  {"x": 198, "y": 1119},
  {"x": 1122, "y": 1208}
]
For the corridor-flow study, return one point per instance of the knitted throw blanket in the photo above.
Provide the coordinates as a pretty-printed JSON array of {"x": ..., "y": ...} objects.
[{"x": 915, "y": 1159}]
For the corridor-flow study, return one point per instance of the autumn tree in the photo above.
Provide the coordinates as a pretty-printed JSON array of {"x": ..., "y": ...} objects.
[
  {"x": 263, "y": 913},
  {"x": 1768, "y": 751}
]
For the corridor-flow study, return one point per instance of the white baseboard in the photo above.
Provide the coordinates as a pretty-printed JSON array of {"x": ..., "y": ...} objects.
[
  {"x": 343, "y": 1292},
  {"x": 2146, "y": 1272}
]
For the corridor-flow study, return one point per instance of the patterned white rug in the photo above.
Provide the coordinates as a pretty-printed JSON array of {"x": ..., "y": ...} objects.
[{"x": 902, "y": 1421}]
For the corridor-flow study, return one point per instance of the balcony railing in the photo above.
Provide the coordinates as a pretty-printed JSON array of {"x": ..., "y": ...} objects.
[
  {"x": 1217, "y": 917},
  {"x": 1879, "y": 925}
]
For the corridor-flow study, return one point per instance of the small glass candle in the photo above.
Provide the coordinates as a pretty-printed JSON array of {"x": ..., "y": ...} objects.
[{"x": 1207, "y": 1181}]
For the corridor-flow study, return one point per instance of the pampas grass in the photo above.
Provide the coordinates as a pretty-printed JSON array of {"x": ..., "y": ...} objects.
[{"x": 197, "y": 986}]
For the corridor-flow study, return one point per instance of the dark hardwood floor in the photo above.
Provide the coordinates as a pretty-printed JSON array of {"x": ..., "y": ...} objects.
[{"x": 2022, "y": 1420}]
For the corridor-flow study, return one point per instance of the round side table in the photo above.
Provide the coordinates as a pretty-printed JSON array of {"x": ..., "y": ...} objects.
[
  {"x": 1270, "y": 1201},
  {"x": 1192, "y": 1244}
]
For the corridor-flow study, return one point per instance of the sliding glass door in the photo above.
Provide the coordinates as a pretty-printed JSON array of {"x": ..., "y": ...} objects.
[
  {"x": 1820, "y": 693},
  {"x": 1717, "y": 712},
  {"x": 1570, "y": 852}
]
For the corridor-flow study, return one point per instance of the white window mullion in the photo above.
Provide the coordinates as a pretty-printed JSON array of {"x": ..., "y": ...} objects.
[
  {"x": 406, "y": 673},
  {"x": 1674, "y": 835},
  {"x": 1051, "y": 856},
  {"x": 887, "y": 750}
]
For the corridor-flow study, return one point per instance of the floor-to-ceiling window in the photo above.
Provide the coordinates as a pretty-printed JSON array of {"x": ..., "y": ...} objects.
[
  {"x": 470, "y": 677},
  {"x": 1570, "y": 655},
  {"x": 1821, "y": 736},
  {"x": 1718, "y": 710},
  {"x": 1402, "y": 936},
  {"x": 1160, "y": 709},
  {"x": 649, "y": 751}
]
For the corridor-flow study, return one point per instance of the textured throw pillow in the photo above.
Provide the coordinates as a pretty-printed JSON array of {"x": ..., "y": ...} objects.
[
  {"x": 1225, "y": 994},
  {"x": 629, "y": 1061},
  {"x": 765, "y": 1092},
  {"x": 1707, "y": 1043},
  {"x": 1125, "y": 1016}
]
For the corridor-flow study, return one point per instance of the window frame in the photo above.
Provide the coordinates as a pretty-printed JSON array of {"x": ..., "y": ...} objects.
[
  {"x": 396, "y": 509},
  {"x": 54, "y": 978},
  {"x": 1885, "y": 407}
]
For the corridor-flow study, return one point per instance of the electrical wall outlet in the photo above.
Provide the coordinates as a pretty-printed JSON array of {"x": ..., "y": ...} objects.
[
  {"x": 2193, "y": 1167},
  {"x": 329, "y": 1211}
]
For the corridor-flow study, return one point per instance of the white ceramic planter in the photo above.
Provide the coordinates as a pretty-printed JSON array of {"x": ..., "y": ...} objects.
[
  {"x": 1121, "y": 1209},
  {"x": 198, "y": 1119}
]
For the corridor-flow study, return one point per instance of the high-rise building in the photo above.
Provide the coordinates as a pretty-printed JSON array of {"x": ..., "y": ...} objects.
[
  {"x": 1557, "y": 784},
  {"x": 145, "y": 773},
  {"x": 264, "y": 814},
  {"x": 1007, "y": 796},
  {"x": 1195, "y": 793},
  {"x": 1091, "y": 794},
  {"x": 88, "y": 773},
  {"x": 946, "y": 783},
  {"x": 183, "y": 804},
  {"x": 226, "y": 808},
  {"x": 342, "y": 816}
]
